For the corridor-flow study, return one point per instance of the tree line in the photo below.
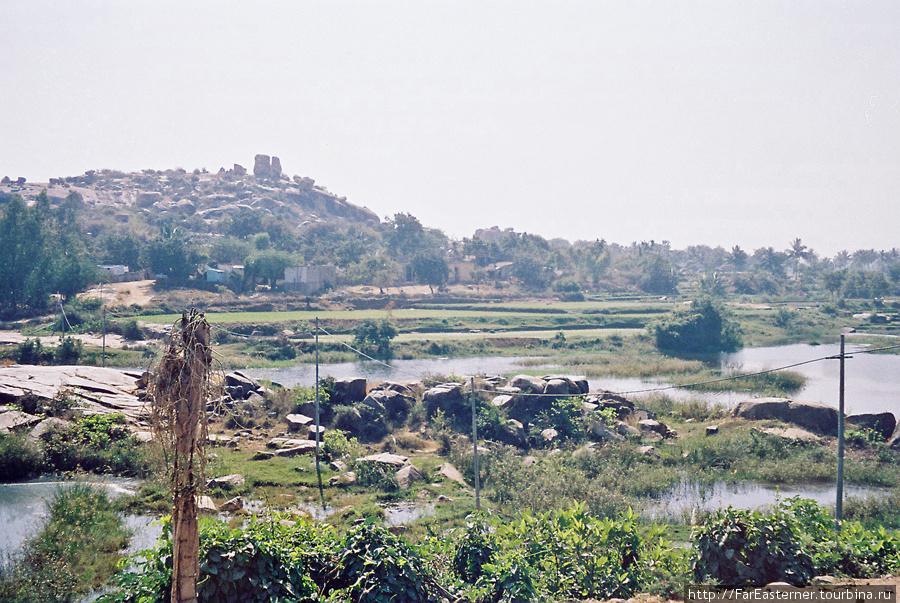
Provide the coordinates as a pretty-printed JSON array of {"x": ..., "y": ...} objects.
[{"x": 52, "y": 248}]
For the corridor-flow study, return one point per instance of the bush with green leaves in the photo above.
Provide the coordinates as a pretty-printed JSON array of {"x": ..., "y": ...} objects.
[
  {"x": 473, "y": 550},
  {"x": 749, "y": 548},
  {"x": 376, "y": 566},
  {"x": 374, "y": 338},
  {"x": 97, "y": 443},
  {"x": 77, "y": 550},
  {"x": 793, "y": 542},
  {"x": 702, "y": 328},
  {"x": 566, "y": 416},
  {"x": 19, "y": 459},
  {"x": 571, "y": 554},
  {"x": 258, "y": 564}
]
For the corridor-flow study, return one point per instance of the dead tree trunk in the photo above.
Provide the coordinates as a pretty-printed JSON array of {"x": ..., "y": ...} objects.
[{"x": 179, "y": 403}]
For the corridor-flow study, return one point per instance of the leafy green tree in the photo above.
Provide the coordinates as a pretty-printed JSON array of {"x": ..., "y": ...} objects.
[
  {"x": 171, "y": 254},
  {"x": 229, "y": 251},
  {"x": 268, "y": 266},
  {"x": 374, "y": 338},
  {"x": 658, "y": 275},
  {"x": 430, "y": 269},
  {"x": 25, "y": 260},
  {"x": 121, "y": 248},
  {"x": 701, "y": 328}
]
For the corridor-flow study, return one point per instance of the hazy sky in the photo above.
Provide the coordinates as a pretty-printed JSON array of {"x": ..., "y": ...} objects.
[{"x": 722, "y": 123}]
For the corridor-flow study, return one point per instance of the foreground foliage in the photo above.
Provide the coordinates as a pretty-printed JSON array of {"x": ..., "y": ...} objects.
[
  {"x": 76, "y": 550},
  {"x": 792, "y": 543}
]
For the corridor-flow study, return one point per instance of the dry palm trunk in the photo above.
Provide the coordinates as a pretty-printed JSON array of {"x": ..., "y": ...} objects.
[{"x": 179, "y": 403}]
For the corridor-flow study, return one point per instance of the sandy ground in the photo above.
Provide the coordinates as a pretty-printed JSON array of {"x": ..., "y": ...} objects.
[
  {"x": 123, "y": 294},
  {"x": 15, "y": 338}
]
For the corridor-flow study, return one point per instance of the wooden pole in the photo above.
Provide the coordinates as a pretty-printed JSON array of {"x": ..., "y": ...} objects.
[
  {"x": 839, "y": 503},
  {"x": 180, "y": 390},
  {"x": 318, "y": 468},
  {"x": 475, "y": 443}
]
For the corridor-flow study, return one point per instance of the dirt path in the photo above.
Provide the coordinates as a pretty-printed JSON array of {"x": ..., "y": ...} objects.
[{"x": 138, "y": 293}]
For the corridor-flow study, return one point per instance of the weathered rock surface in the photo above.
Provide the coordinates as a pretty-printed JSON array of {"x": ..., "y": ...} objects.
[
  {"x": 815, "y": 417},
  {"x": 232, "y": 505},
  {"x": 350, "y": 390},
  {"x": 406, "y": 475},
  {"x": 97, "y": 390},
  {"x": 385, "y": 458},
  {"x": 16, "y": 420},
  {"x": 48, "y": 424},
  {"x": 883, "y": 423},
  {"x": 450, "y": 472},
  {"x": 297, "y": 422},
  {"x": 447, "y": 397},
  {"x": 235, "y": 480}
]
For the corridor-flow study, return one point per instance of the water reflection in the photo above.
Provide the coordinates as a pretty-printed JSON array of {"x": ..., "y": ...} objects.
[{"x": 682, "y": 499}]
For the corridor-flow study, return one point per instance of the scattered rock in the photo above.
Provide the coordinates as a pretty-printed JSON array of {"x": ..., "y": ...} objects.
[
  {"x": 344, "y": 479},
  {"x": 600, "y": 432},
  {"x": 307, "y": 447},
  {"x": 654, "y": 426},
  {"x": 549, "y": 435},
  {"x": 48, "y": 424},
  {"x": 262, "y": 455},
  {"x": 296, "y": 422},
  {"x": 441, "y": 499},
  {"x": 206, "y": 505},
  {"x": 230, "y": 506},
  {"x": 712, "y": 430},
  {"x": 239, "y": 386},
  {"x": 792, "y": 433},
  {"x": 407, "y": 475},
  {"x": 311, "y": 432},
  {"x": 624, "y": 429},
  {"x": 385, "y": 458},
  {"x": 337, "y": 466},
  {"x": 235, "y": 480},
  {"x": 883, "y": 423},
  {"x": 349, "y": 390},
  {"x": 514, "y": 434},
  {"x": 528, "y": 384},
  {"x": 809, "y": 415},
  {"x": 448, "y": 398},
  {"x": 649, "y": 451},
  {"x": 450, "y": 472},
  {"x": 16, "y": 420}
]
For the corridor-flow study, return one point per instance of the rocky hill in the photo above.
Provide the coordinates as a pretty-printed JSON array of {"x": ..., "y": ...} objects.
[{"x": 209, "y": 197}]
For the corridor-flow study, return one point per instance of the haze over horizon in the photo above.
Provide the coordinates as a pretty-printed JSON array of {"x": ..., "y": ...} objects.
[{"x": 697, "y": 122}]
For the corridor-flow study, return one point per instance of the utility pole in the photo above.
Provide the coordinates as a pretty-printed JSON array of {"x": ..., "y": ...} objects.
[
  {"x": 475, "y": 443},
  {"x": 318, "y": 468},
  {"x": 839, "y": 504},
  {"x": 103, "y": 301},
  {"x": 180, "y": 389}
]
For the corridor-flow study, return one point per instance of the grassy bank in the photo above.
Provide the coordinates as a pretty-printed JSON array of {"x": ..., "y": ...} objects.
[{"x": 76, "y": 551}]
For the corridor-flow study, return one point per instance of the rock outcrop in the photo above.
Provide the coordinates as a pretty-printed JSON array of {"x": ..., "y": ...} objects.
[
  {"x": 814, "y": 417},
  {"x": 95, "y": 390}
]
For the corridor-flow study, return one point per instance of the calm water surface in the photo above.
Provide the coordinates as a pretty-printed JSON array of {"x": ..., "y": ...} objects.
[{"x": 872, "y": 380}]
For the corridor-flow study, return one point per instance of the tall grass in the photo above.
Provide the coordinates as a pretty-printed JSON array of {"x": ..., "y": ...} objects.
[{"x": 76, "y": 551}]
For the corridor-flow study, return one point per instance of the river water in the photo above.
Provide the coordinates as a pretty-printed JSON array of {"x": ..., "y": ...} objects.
[{"x": 872, "y": 380}]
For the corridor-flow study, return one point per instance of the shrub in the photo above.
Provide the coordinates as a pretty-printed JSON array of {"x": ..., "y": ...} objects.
[
  {"x": 703, "y": 328},
  {"x": 378, "y": 567},
  {"x": 18, "y": 458},
  {"x": 474, "y": 550},
  {"x": 68, "y": 351},
  {"x": 259, "y": 564},
  {"x": 76, "y": 550},
  {"x": 30, "y": 351}
]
